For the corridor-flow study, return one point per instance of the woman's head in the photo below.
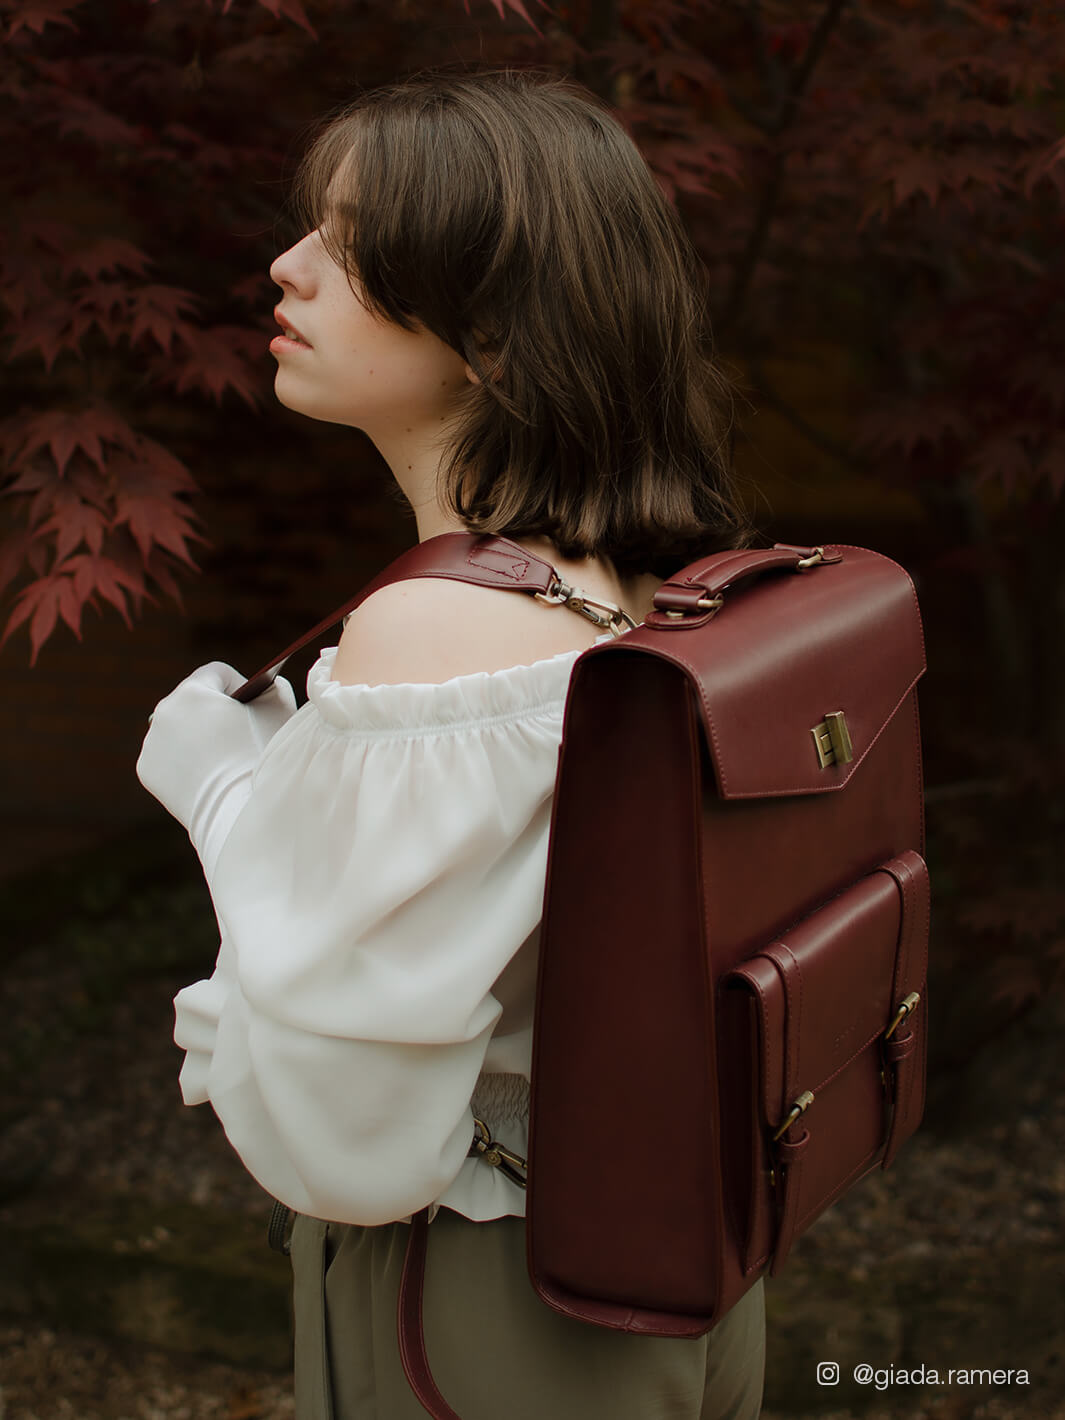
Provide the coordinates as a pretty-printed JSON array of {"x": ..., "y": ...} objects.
[{"x": 512, "y": 217}]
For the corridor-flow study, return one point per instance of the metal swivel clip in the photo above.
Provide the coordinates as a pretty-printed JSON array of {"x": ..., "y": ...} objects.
[
  {"x": 513, "y": 1166},
  {"x": 602, "y": 613}
]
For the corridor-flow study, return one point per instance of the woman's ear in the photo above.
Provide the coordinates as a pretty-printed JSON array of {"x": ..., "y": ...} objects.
[
  {"x": 475, "y": 379},
  {"x": 488, "y": 354}
]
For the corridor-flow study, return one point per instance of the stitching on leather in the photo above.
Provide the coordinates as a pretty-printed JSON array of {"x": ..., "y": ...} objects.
[
  {"x": 849, "y": 1061},
  {"x": 766, "y": 1034},
  {"x": 789, "y": 1223},
  {"x": 755, "y": 988},
  {"x": 896, "y": 870},
  {"x": 708, "y": 721},
  {"x": 830, "y": 1198},
  {"x": 515, "y": 562},
  {"x": 792, "y": 1084},
  {"x": 828, "y": 788},
  {"x": 853, "y": 547},
  {"x": 723, "y": 565},
  {"x": 915, "y": 919},
  {"x": 900, "y": 1118}
]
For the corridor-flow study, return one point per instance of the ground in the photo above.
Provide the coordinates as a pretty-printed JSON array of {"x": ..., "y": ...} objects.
[{"x": 136, "y": 1284}]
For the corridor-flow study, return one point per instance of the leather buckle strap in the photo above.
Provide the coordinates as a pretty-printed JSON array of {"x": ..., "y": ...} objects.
[{"x": 412, "y": 1352}]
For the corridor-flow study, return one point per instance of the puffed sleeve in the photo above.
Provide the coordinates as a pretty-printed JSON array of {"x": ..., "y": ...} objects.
[{"x": 387, "y": 865}]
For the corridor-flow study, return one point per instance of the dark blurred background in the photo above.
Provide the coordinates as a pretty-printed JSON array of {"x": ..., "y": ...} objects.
[{"x": 877, "y": 192}]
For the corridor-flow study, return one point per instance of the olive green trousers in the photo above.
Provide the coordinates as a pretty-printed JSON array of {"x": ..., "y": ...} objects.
[{"x": 496, "y": 1350}]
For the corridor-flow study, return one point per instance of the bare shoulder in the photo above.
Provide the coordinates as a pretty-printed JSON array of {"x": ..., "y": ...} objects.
[{"x": 426, "y": 630}]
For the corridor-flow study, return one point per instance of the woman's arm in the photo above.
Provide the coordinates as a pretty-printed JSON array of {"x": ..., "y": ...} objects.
[{"x": 387, "y": 865}]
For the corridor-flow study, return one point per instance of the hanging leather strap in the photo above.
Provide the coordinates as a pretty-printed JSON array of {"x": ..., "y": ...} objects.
[{"x": 412, "y": 1351}]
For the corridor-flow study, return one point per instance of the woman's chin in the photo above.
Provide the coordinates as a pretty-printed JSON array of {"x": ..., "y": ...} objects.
[
  {"x": 311, "y": 408},
  {"x": 286, "y": 393}
]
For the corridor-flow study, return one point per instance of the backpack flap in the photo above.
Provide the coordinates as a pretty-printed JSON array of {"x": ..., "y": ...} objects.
[
  {"x": 843, "y": 638},
  {"x": 825, "y": 1089}
]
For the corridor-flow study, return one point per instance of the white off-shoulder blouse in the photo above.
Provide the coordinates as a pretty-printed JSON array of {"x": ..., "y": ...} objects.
[{"x": 379, "y": 896}]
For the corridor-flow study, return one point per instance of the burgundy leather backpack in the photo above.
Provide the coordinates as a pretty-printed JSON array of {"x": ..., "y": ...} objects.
[{"x": 745, "y": 768}]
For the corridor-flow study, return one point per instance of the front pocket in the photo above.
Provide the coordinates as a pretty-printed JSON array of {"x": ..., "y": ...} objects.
[{"x": 834, "y": 1081}]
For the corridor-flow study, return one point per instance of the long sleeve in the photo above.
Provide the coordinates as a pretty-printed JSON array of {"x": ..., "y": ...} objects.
[
  {"x": 201, "y": 749},
  {"x": 379, "y": 898}
]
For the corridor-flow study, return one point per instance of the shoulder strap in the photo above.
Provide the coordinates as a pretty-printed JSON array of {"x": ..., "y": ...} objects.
[{"x": 485, "y": 560}]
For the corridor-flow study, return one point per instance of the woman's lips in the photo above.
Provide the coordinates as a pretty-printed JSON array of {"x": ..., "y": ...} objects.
[{"x": 291, "y": 339}]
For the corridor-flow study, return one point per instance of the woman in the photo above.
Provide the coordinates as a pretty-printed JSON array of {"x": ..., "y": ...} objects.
[{"x": 493, "y": 288}]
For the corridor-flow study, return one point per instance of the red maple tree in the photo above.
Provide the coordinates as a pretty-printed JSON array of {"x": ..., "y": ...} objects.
[
  {"x": 886, "y": 179},
  {"x": 889, "y": 174}
]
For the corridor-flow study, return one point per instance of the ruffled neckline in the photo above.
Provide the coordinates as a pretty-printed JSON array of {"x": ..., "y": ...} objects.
[{"x": 475, "y": 698}]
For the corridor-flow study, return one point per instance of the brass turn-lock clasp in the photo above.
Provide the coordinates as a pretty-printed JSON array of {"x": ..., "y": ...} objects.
[{"x": 832, "y": 740}]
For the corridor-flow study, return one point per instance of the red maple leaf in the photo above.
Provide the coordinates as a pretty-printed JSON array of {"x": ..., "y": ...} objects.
[
  {"x": 63, "y": 431},
  {"x": 924, "y": 421},
  {"x": 74, "y": 521},
  {"x": 1001, "y": 456},
  {"x": 106, "y": 254},
  {"x": 919, "y": 172},
  {"x": 160, "y": 311},
  {"x": 291, "y": 9},
  {"x": 76, "y": 114},
  {"x": 1047, "y": 164},
  {"x": 14, "y": 550},
  {"x": 46, "y": 329},
  {"x": 38, "y": 13},
  {"x": 108, "y": 576},
  {"x": 147, "y": 483},
  {"x": 41, "y": 603},
  {"x": 1051, "y": 463}
]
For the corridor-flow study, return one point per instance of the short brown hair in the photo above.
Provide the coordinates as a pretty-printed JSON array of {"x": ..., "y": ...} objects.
[{"x": 509, "y": 213}]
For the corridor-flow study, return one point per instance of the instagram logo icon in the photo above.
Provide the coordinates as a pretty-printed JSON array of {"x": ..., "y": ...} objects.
[{"x": 828, "y": 1373}]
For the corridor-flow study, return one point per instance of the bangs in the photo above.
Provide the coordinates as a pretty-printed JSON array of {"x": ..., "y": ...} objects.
[
  {"x": 324, "y": 197},
  {"x": 409, "y": 199}
]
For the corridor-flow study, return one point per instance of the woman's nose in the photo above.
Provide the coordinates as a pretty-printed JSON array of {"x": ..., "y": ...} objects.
[{"x": 294, "y": 268}]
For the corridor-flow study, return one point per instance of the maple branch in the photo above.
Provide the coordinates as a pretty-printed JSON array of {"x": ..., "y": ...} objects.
[
  {"x": 827, "y": 23},
  {"x": 817, "y": 437},
  {"x": 594, "y": 68},
  {"x": 770, "y": 197},
  {"x": 745, "y": 110},
  {"x": 756, "y": 239},
  {"x": 768, "y": 69},
  {"x": 761, "y": 49}
]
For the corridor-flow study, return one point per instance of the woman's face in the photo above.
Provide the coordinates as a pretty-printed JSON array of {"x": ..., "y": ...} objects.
[{"x": 340, "y": 363}]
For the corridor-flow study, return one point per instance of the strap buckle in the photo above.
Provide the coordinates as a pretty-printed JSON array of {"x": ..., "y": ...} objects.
[
  {"x": 602, "y": 613},
  {"x": 906, "y": 1007}
]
